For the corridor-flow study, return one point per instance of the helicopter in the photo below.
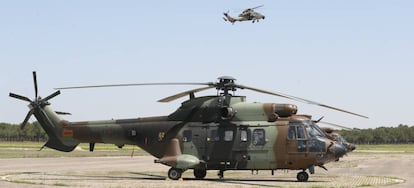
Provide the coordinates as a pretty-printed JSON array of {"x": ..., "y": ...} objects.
[
  {"x": 247, "y": 15},
  {"x": 334, "y": 135},
  {"x": 219, "y": 132}
]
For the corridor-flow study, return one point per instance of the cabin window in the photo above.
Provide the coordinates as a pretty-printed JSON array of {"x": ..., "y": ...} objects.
[
  {"x": 259, "y": 137},
  {"x": 228, "y": 135},
  {"x": 133, "y": 132},
  {"x": 317, "y": 145},
  {"x": 161, "y": 136},
  {"x": 187, "y": 136},
  {"x": 214, "y": 135},
  {"x": 243, "y": 135}
]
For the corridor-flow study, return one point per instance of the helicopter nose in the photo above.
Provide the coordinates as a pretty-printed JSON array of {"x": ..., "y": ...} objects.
[
  {"x": 339, "y": 150},
  {"x": 352, "y": 147}
]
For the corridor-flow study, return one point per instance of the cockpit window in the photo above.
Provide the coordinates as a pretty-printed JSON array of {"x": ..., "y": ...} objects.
[
  {"x": 300, "y": 132},
  {"x": 296, "y": 132},
  {"x": 314, "y": 130},
  {"x": 292, "y": 132},
  {"x": 338, "y": 138}
]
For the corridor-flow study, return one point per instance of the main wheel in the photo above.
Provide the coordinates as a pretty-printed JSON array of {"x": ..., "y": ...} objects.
[
  {"x": 200, "y": 173},
  {"x": 175, "y": 173},
  {"x": 302, "y": 176}
]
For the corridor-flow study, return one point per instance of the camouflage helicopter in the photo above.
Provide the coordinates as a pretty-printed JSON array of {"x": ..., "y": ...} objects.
[
  {"x": 247, "y": 15},
  {"x": 332, "y": 134},
  {"x": 219, "y": 132}
]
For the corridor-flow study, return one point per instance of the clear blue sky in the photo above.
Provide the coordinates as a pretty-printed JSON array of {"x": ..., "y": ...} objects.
[{"x": 356, "y": 55}]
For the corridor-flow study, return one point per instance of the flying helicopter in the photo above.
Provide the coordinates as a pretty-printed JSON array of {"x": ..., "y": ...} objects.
[
  {"x": 247, "y": 15},
  {"x": 218, "y": 132}
]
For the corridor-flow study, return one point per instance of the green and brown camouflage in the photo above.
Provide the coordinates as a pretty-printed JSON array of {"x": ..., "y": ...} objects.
[{"x": 221, "y": 132}]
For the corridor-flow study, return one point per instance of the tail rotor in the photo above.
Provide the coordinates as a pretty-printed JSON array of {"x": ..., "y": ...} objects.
[{"x": 35, "y": 104}]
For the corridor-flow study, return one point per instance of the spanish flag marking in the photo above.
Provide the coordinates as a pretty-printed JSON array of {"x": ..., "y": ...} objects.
[{"x": 67, "y": 133}]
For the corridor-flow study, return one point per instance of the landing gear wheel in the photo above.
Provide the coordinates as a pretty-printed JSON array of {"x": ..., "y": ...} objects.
[
  {"x": 175, "y": 173},
  {"x": 200, "y": 173},
  {"x": 221, "y": 174},
  {"x": 302, "y": 176}
]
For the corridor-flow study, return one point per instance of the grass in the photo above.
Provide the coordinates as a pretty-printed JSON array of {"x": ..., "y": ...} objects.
[
  {"x": 387, "y": 148},
  {"x": 21, "y": 144},
  {"x": 37, "y": 145},
  {"x": 60, "y": 184},
  {"x": 31, "y": 150},
  {"x": 24, "y": 182}
]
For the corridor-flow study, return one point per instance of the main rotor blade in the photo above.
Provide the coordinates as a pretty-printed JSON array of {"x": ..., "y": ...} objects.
[
  {"x": 26, "y": 119},
  {"x": 62, "y": 113},
  {"x": 52, "y": 95},
  {"x": 267, "y": 92},
  {"x": 35, "y": 83},
  {"x": 19, "y": 97},
  {"x": 257, "y": 7},
  {"x": 182, "y": 94},
  {"x": 133, "y": 84},
  {"x": 335, "y": 125},
  {"x": 341, "y": 110},
  {"x": 300, "y": 100}
]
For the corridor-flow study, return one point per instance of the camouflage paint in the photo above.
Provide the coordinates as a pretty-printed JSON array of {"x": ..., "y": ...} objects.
[
  {"x": 204, "y": 133},
  {"x": 221, "y": 132}
]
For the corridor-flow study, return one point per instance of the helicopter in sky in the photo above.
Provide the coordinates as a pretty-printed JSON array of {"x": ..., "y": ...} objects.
[
  {"x": 218, "y": 132},
  {"x": 247, "y": 15}
]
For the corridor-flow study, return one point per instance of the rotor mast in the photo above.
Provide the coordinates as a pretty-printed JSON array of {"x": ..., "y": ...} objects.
[{"x": 226, "y": 84}]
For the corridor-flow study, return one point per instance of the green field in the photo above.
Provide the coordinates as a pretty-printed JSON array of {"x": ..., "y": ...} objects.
[
  {"x": 386, "y": 147},
  {"x": 31, "y": 149}
]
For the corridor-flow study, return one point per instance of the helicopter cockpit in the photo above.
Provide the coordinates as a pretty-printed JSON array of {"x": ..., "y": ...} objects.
[
  {"x": 314, "y": 130},
  {"x": 297, "y": 130}
]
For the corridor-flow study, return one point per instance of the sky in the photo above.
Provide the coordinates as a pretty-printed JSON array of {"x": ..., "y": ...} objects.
[{"x": 355, "y": 55}]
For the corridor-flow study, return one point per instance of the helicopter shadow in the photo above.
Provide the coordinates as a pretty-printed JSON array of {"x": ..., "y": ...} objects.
[{"x": 248, "y": 182}]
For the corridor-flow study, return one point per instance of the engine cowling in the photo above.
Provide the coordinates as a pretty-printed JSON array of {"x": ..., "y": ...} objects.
[{"x": 285, "y": 110}]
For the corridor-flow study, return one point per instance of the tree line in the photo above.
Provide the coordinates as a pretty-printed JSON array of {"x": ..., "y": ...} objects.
[
  {"x": 31, "y": 132},
  {"x": 402, "y": 134}
]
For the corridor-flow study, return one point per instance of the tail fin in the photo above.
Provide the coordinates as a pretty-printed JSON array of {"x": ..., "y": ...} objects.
[{"x": 228, "y": 18}]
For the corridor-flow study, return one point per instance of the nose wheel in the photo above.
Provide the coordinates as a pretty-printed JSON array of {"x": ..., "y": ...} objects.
[{"x": 302, "y": 176}]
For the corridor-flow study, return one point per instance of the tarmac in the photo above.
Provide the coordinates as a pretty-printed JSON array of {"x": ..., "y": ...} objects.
[{"x": 367, "y": 169}]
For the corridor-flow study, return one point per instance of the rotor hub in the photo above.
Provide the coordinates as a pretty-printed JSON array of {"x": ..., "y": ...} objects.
[{"x": 226, "y": 83}]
